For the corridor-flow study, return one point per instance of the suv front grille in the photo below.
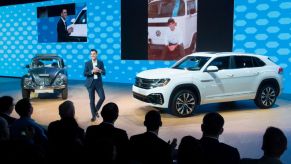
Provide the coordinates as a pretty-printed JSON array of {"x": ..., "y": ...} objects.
[{"x": 143, "y": 83}]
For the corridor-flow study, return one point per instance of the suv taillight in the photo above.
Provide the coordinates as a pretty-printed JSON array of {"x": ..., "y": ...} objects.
[{"x": 280, "y": 71}]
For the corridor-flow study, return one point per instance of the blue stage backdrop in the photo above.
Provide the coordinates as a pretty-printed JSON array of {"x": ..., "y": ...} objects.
[
  {"x": 264, "y": 27},
  {"x": 261, "y": 27}
]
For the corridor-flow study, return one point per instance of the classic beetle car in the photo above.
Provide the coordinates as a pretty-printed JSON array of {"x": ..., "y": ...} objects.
[{"x": 46, "y": 74}]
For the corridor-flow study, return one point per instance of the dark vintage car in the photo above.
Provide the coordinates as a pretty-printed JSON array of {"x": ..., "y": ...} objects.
[{"x": 46, "y": 74}]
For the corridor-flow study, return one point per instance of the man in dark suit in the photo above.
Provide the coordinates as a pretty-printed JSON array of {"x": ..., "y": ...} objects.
[
  {"x": 274, "y": 145},
  {"x": 63, "y": 32},
  {"x": 215, "y": 152},
  {"x": 93, "y": 70},
  {"x": 148, "y": 148},
  {"x": 6, "y": 108},
  {"x": 107, "y": 141}
]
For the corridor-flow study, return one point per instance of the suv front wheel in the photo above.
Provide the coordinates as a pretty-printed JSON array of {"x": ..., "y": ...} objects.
[
  {"x": 266, "y": 96},
  {"x": 183, "y": 103}
]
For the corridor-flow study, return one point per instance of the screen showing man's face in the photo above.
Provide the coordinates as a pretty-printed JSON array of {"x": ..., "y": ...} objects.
[
  {"x": 172, "y": 25},
  {"x": 64, "y": 13}
]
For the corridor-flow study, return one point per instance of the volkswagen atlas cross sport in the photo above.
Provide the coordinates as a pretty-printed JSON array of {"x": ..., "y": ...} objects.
[
  {"x": 202, "y": 78},
  {"x": 46, "y": 74}
]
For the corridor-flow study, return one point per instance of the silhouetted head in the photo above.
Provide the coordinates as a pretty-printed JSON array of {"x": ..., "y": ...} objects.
[
  {"x": 67, "y": 109},
  {"x": 274, "y": 142},
  {"x": 6, "y": 104},
  {"x": 212, "y": 124},
  {"x": 153, "y": 120},
  {"x": 110, "y": 112},
  {"x": 24, "y": 108}
]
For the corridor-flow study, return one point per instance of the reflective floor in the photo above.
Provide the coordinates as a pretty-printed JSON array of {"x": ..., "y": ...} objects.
[{"x": 244, "y": 122}]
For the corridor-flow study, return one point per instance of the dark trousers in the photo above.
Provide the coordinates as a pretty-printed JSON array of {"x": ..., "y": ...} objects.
[
  {"x": 178, "y": 53},
  {"x": 98, "y": 87}
]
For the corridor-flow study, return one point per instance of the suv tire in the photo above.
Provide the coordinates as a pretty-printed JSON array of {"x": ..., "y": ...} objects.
[
  {"x": 183, "y": 103},
  {"x": 266, "y": 96}
]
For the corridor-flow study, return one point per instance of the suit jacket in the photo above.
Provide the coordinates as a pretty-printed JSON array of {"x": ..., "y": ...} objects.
[
  {"x": 8, "y": 118},
  {"x": 88, "y": 72},
  {"x": 217, "y": 153},
  {"x": 148, "y": 148},
  {"x": 99, "y": 136},
  {"x": 62, "y": 31}
]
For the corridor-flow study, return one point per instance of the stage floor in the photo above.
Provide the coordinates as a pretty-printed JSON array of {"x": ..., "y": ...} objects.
[{"x": 243, "y": 129}]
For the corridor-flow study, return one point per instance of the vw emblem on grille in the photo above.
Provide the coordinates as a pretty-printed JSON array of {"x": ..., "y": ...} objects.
[{"x": 158, "y": 33}]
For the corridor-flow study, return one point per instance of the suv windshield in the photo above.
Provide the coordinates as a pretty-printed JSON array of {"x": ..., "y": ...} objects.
[
  {"x": 38, "y": 63},
  {"x": 193, "y": 63},
  {"x": 166, "y": 8},
  {"x": 82, "y": 18}
]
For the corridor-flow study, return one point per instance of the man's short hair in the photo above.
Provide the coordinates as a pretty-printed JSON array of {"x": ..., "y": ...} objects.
[
  {"x": 153, "y": 120},
  {"x": 212, "y": 123},
  {"x": 63, "y": 10},
  {"x": 66, "y": 109},
  {"x": 110, "y": 112},
  {"x": 274, "y": 142},
  {"x": 94, "y": 50},
  {"x": 171, "y": 20},
  {"x": 23, "y": 107},
  {"x": 5, "y": 103}
]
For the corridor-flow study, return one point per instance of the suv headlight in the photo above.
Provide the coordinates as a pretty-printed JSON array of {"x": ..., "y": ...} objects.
[{"x": 159, "y": 82}]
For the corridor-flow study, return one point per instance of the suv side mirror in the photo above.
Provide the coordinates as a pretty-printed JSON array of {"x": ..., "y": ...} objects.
[
  {"x": 192, "y": 11},
  {"x": 73, "y": 20},
  {"x": 27, "y": 66},
  {"x": 212, "y": 69}
]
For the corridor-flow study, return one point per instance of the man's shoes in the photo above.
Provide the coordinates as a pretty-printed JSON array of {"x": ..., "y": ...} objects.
[
  {"x": 97, "y": 115},
  {"x": 93, "y": 119}
]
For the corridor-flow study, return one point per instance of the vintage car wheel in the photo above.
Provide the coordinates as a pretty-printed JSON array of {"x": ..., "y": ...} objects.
[
  {"x": 65, "y": 93},
  {"x": 25, "y": 93}
]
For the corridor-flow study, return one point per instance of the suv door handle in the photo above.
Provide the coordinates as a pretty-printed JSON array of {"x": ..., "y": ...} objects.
[{"x": 229, "y": 75}]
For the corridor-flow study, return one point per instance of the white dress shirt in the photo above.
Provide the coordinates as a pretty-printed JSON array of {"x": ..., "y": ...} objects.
[
  {"x": 173, "y": 37},
  {"x": 95, "y": 64}
]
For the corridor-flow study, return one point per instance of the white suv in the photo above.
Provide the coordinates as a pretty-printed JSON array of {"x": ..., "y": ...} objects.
[{"x": 202, "y": 78}]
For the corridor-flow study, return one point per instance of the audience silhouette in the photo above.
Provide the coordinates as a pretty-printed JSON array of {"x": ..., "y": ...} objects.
[
  {"x": 6, "y": 108},
  {"x": 65, "y": 136},
  {"x": 24, "y": 140},
  {"x": 109, "y": 143},
  {"x": 148, "y": 148},
  {"x": 274, "y": 145}
]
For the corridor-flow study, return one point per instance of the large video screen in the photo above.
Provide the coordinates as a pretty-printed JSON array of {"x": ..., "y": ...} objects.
[
  {"x": 168, "y": 30},
  {"x": 62, "y": 23},
  {"x": 172, "y": 28}
]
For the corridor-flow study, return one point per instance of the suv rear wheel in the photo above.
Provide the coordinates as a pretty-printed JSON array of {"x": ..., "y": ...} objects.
[
  {"x": 183, "y": 103},
  {"x": 266, "y": 96}
]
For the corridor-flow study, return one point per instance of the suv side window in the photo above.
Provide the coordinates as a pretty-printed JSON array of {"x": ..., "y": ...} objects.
[
  {"x": 221, "y": 62},
  {"x": 258, "y": 62},
  {"x": 243, "y": 61}
]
